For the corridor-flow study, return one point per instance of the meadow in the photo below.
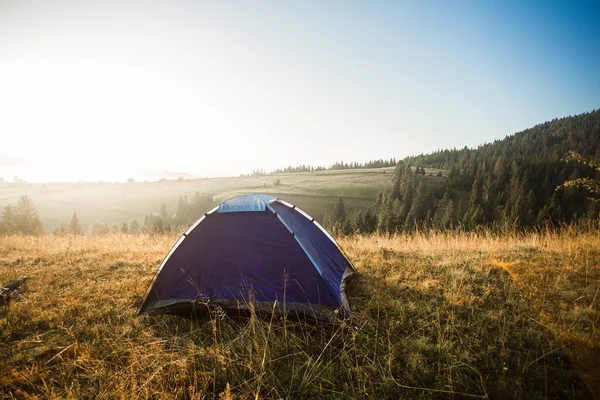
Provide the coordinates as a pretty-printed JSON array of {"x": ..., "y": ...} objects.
[
  {"x": 435, "y": 315},
  {"x": 118, "y": 202}
]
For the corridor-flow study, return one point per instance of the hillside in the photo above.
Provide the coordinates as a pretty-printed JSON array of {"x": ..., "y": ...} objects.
[
  {"x": 511, "y": 183},
  {"x": 434, "y": 316},
  {"x": 115, "y": 203}
]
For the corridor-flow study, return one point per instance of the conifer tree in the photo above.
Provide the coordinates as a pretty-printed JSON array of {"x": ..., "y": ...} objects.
[
  {"x": 339, "y": 211},
  {"x": 99, "y": 228},
  {"x": 396, "y": 191},
  {"x": 134, "y": 226},
  {"x": 75, "y": 226},
  {"x": 7, "y": 223},
  {"x": 417, "y": 209},
  {"x": 339, "y": 218},
  {"x": 181, "y": 212},
  {"x": 449, "y": 215},
  {"x": 359, "y": 222},
  {"x": 476, "y": 193},
  {"x": 379, "y": 199},
  {"x": 384, "y": 216},
  {"x": 25, "y": 215},
  {"x": 370, "y": 221}
]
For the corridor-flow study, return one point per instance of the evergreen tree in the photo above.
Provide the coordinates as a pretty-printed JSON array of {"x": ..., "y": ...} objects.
[
  {"x": 400, "y": 169},
  {"x": 396, "y": 187},
  {"x": 488, "y": 197},
  {"x": 543, "y": 215},
  {"x": 510, "y": 182},
  {"x": 134, "y": 226},
  {"x": 449, "y": 214},
  {"x": 555, "y": 209},
  {"x": 339, "y": 211},
  {"x": 476, "y": 217},
  {"x": 379, "y": 199},
  {"x": 418, "y": 209},
  {"x": 365, "y": 221},
  {"x": 370, "y": 221},
  {"x": 61, "y": 230},
  {"x": 188, "y": 211},
  {"x": 75, "y": 226},
  {"x": 476, "y": 197},
  {"x": 339, "y": 218},
  {"x": 154, "y": 223},
  {"x": 26, "y": 219},
  {"x": 99, "y": 228},
  {"x": 8, "y": 224},
  {"x": 384, "y": 216},
  {"x": 182, "y": 214}
]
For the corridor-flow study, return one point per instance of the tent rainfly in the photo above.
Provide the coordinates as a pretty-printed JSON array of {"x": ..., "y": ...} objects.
[{"x": 253, "y": 251}]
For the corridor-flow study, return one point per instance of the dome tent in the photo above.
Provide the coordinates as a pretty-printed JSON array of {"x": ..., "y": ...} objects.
[{"x": 252, "y": 251}]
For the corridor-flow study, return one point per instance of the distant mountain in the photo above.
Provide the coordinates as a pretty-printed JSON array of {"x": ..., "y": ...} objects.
[{"x": 511, "y": 182}]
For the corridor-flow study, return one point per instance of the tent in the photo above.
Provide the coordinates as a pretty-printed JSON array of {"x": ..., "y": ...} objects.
[{"x": 252, "y": 252}]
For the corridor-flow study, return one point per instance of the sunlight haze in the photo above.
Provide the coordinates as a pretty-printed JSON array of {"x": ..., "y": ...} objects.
[{"x": 111, "y": 90}]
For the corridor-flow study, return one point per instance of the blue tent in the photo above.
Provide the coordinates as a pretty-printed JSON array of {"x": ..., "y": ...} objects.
[{"x": 252, "y": 251}]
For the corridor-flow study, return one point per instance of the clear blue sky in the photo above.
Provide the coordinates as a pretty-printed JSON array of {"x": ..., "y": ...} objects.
[{"x": 222, "y": 87}]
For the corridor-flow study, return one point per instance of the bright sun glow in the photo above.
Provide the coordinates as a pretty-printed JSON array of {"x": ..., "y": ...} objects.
[
  {"x": 92, "y": 106},
  {"x": 108, "y": 90}
]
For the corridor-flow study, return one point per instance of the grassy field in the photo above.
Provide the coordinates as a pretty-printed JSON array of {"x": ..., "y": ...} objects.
[
  {"x": 446, "y": 315},
  {"x": 120, "y": 202}
]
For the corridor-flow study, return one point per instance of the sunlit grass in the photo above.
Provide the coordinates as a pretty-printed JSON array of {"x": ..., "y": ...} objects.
[{"x": 434, "y": 316}]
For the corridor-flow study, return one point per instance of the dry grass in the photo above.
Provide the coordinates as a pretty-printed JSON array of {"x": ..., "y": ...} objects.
[{"x": 434, "y": 316}]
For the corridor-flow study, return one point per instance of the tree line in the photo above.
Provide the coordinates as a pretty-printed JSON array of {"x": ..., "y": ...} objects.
[
  {"x": 23, "y": 218},
  {"x": 541, "y": 176},
  {"x": 187, "y": 211},
  {"x": 338, "y": 165}
]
